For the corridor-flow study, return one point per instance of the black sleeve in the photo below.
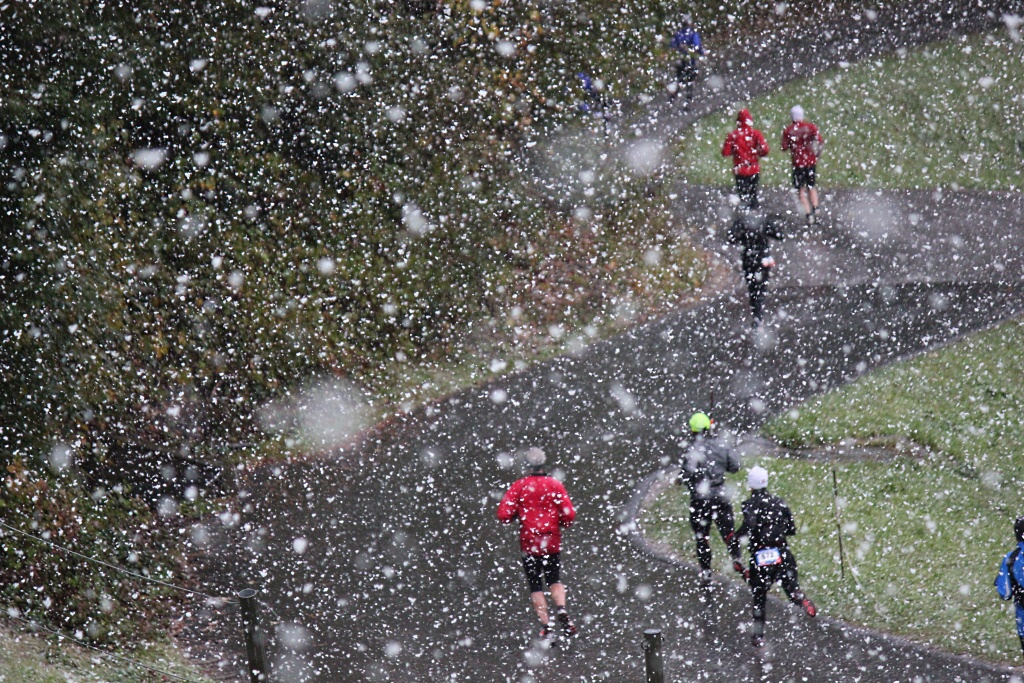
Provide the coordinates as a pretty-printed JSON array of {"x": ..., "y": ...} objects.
[
  {"x": 744, "y": 530},
  {"x": 735, "y": 232},
  {"x": 685, "y": 475},
  {"x": 790, "y": 525}
]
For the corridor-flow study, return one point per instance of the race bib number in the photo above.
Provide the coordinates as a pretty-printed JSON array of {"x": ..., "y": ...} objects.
[{"x": 767, "y": 557}]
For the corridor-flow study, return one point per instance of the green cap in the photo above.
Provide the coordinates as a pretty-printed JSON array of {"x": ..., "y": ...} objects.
[{"x": 699, "y": 422}]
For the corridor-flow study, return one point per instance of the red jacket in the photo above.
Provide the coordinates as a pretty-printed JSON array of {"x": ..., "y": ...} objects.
[
  {"x": 800, "y": 138},
  {"x": 543, "y": 507},
  {"x": 745, "y": 145}
]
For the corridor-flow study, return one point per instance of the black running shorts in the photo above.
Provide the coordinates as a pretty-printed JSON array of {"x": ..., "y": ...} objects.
[
  {"x": 746, "y": 188},
  {"x": 541, "y": 571},
  {"x": 803, "y": 177}
]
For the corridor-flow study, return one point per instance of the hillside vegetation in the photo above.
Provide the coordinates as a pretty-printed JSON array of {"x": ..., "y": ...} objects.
[
  {"x": 208, "y": 207},
  {"x": 34, "y": 658}
]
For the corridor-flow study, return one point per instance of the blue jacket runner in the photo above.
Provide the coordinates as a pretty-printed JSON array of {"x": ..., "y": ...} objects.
[
  {"x": 1005, "y": 586},
  {"x": 687, "y": 41}
]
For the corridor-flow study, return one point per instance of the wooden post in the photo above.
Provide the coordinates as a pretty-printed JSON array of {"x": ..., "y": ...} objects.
[
  {"x": 652, "y": 656},
  {"x": 839, "y": 526},
  {"x": 255, "y": 639}
]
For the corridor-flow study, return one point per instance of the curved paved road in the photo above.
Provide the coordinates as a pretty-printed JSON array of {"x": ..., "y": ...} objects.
[
  {"x": 410, "y": 577},
  {"x": 407, "y": 576}
]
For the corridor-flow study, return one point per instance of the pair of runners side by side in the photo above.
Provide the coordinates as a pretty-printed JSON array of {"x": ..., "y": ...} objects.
[
  {"x": 766, "y": 528},
  {"x": 746, "y": 146}
]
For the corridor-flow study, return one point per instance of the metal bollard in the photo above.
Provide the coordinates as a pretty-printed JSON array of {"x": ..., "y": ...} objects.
[
  {"x": 652, "y": 656},
  {"x": 255, "y": 639}
]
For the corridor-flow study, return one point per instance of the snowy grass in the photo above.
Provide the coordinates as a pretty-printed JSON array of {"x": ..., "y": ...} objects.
[
  {"x": 945, "y": 114},
  {"x": 922, "y": 545},
  {"x": 923, "y": 535},
  {"x": 964, "y": 401},
  {"x": 26, "y": 658},
  {"x": 929, "y": 531}
]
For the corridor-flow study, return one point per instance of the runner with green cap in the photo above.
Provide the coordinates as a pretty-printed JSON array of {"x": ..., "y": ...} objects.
[
  {"x": 700, "y": 423},
  {"x": 702, "y": 468}
]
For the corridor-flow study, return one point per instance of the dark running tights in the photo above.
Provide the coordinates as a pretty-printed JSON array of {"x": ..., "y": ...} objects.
[
  {"x": 702, "y": 513},
  {"x": 763, "y": 578},
  {"x": 757, "y": 283}
]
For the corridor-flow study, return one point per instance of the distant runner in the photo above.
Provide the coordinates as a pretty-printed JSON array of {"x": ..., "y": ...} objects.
[
  {"x": 594, "y": 101},
  {"x": 752, "y": 230},
  {"x": 703, "y": 469},
  {"x": 687, "y": 42},
  {"x": 543, "y": 507},
  {"x": 746, "y": 145},
  {"x": 767, "y": 522},
  {"x": 804, "y": 143},
  {"x": 1010, "y": 580}
]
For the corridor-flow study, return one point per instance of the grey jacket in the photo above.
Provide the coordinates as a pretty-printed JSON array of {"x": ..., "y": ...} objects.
[{"x": 704, "y": 465}]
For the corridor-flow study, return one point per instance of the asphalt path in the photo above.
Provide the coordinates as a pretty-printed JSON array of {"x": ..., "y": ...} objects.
[
  {"x": 406, "y": 575},
  {"x": 386, "y": 562}
]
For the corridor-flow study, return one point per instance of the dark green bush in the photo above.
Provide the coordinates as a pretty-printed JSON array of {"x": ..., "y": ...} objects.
[{"x": 81, "y": 597}]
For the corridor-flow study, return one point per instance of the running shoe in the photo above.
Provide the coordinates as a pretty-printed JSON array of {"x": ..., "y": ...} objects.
[
  {"x": 809, "y": 607},
  {"x": 757, "y": 641},
  {"x": 704, "y": 576},
  {"x": 568, "y": 628}
]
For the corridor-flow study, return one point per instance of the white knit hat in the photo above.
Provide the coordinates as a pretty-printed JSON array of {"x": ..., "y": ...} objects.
[
  {"x": 797, "y": 113},
  {"x": 535, "y": 457},
  {"x": 758, "y": 478}
]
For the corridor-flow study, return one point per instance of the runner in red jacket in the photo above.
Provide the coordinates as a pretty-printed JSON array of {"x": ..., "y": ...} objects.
[
  {"x": 543, "y": 507},
  {"x": 804, "y": 142},
  {"x": 746, "y": 145}
]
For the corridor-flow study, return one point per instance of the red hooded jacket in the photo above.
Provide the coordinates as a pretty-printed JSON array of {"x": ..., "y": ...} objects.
[
  {"x": 746, "y": 145},
  {"x": 800, "y": 138},
  {"x": 543, "y": 507}
]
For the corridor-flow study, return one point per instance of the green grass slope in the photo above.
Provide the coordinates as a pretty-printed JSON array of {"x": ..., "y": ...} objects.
[
  {"x": 31, "y": 658},
  {"x": 946, "y": 114},
  {"x": 964, "y": 401},
  {"x": 924, "y": 532}
]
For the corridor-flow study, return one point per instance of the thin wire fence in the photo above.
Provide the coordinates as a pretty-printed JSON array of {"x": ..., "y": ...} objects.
[{"x": 216, "y": 599}]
